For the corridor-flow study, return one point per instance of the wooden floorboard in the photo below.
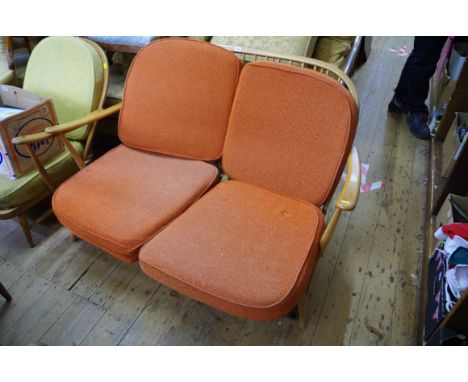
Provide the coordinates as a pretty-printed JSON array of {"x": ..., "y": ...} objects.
[{"x": 365, "y": 289}]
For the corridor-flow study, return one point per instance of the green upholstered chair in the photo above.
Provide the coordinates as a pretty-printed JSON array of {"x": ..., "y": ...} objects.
[{"x": 73, "y": 72}]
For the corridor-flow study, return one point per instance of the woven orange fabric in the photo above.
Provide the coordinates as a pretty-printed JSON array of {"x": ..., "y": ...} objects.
[
  {"x": 122, "y": 199},
  {"x": 241, "y": 249},
  {"x": 290, "y": 131},
  {"x": 178, "y": 97}
]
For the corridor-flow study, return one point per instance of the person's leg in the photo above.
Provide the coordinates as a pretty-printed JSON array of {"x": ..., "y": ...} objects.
[{"x": 413, "y": 86}]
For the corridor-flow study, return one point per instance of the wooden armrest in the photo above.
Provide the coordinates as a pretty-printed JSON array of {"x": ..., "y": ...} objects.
[
  {"x": 91, "y": 117},
  {"x": 67, "y": 127},
  {"x": 349, "y": 195},
  {"x": 31, "y": 138}
]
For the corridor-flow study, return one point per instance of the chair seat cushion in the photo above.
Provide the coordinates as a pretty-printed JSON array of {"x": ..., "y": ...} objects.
[
  {"x": 122, "y": 199},
  {"x": 241, "y": 249},
  {"x": 14, "y": 193}
]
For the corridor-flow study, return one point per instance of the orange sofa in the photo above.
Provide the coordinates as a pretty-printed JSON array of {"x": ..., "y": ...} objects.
[
  {"x": 248, "y": 245},
  {"x": 251, "y": 243}
]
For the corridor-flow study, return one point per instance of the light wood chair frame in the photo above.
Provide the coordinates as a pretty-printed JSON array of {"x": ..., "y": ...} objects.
[
  {"x": 349, "y": 195},
  {"x": 59, "y": 130}
]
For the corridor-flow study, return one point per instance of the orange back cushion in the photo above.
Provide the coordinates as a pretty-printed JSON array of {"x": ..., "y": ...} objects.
[
  {"x": 290, "y": 131},
  {"x": 177, "y": 98}
]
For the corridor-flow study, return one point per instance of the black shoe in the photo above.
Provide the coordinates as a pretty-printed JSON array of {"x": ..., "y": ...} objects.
[
  {"x": 418, "y": 125},
  {"x": 397, "y": 106}
]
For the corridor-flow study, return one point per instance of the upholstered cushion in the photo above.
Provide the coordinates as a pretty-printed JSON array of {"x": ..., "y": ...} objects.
[
  {"x": 178, "y": 97},
  {"x": 290, "y": 131},
  {"x": 124, "y": 40},
  {"x": 333, "y": 50},
  {"x": 3, "y": 57},
  {"x": 14, "y": 193},
  {"x": 240, "y": 249},
  {"x": 202, "y": 38},
  {"x": 122, "y": 199},
  {"x": 70, "y": 72},
  {"x": 294, "y": 45}
]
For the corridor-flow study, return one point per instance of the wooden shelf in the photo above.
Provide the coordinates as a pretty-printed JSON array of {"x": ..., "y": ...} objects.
[{"x": 438, "y": 189}]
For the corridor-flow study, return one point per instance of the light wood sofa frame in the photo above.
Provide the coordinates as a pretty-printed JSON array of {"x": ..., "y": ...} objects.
[{"x": 348, "y": 196}]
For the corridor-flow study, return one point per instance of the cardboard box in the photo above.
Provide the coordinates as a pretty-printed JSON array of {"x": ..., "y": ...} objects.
[
  {"x": 452, "y": 146},
  {"x": 454, "y": 210},
  {"x": 38, "y": 113}
]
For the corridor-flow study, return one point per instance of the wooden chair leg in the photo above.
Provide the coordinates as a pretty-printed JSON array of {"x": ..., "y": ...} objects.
[
  {"x": 5, "y": 293},
  {"x": 26, "y": 229},
  {"x": 303, "y": 310},
  {"x": 29, "y": 43},
  {"x": 10, "y": 52}
]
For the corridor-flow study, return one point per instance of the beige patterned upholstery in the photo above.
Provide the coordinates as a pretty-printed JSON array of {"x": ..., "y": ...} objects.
[
  {"x": 293, "y": 45},
  {"x": 333, "y": 49}
]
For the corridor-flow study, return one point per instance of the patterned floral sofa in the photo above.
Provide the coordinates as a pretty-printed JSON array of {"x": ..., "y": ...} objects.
[{"x": 332, "y": 49}]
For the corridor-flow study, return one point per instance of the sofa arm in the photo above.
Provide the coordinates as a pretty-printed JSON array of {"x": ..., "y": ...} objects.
[
  {"x": 61, "y": 130},
  {"x": 68, "y": 126},
  {"x": 91, "y": 117},
  {"x": 348, "y": 197}
]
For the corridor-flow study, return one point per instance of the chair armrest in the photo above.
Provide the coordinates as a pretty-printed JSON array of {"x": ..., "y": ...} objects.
[
  {"x": 30, "y": 138},
  {"x": 348, "y": 197},
  {"x": 91, "y": 117},
  {"x": 67, "y": 127}
]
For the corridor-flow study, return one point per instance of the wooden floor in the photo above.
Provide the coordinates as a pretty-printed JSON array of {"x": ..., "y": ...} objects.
[{"x": 365, "y": 288}]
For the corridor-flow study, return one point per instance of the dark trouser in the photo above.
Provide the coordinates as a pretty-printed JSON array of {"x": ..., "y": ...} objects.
[{"x": 413, "y": 87}]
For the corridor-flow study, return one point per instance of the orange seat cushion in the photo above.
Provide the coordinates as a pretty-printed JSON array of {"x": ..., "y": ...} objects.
[
  {"x": 290, "y": 131},
  {"x": 122, "y": 199},
  {"x": 177, "y": 98},
  {"x": 241, "y": 249}
]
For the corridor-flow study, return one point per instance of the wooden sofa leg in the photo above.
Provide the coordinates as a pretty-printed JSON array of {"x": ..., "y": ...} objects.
[
  {"x": 74, "y": 237},
  {"x": 5, "y": 293},
  {"x": 303, "y": 310},
  {"x": 26, "y": 229}
]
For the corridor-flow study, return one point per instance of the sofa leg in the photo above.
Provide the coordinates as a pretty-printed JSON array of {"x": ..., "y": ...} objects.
[
  {"x": 4, "y": 292},
  {"x": 303, "y": 310},
  {"x": 74, "y": 237},
  {"x": 26, "y": 229}
]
